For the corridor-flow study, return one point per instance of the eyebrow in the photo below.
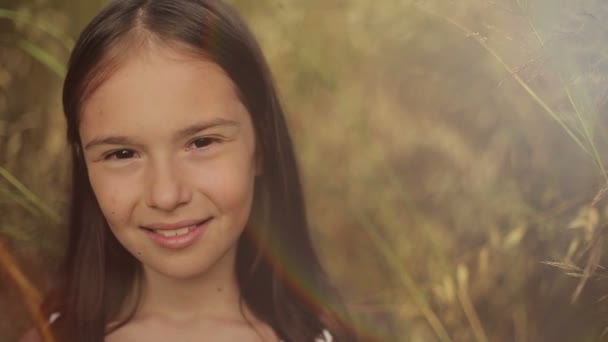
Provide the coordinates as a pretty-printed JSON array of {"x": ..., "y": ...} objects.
[{"x": 188, "y": 131}]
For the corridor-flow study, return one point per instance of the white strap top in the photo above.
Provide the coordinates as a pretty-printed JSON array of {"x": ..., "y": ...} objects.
[{"x": 325, "y": 337}]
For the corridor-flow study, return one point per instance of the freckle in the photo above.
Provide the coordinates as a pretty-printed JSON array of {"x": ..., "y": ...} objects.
[
  {"x": 219, "y": 289},
  {"x": 113, "y": 212}
]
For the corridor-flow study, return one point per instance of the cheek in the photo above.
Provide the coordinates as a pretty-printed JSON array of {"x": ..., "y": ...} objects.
[
  {"x": 235, "y": 191},
  {"x": 115, "y": 196},
  {"x": 229, "y": 185}
]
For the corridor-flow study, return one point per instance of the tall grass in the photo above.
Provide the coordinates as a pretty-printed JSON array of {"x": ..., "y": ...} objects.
[
  {"x": 534, "y": 221},
  {"x": 586, "y": 142},
  {"x": 15, "y": 191}
]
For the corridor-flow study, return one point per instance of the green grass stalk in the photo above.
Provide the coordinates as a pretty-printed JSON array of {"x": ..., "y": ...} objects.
[
  {"x": 29, "y": 195},
  {"x": 43, "y": 57},
  {"x": 19, "y": 200},
  {"x": 15, "y": 16}
]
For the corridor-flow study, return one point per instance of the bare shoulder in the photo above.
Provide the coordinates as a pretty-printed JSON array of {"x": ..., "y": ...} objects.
[
  {"x": 31, "y": 335},
  {"x": 152, "y": 330}
]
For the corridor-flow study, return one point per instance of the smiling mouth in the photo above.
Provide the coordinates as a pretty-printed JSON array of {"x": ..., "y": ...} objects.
[{"x": 179, "y": 231}]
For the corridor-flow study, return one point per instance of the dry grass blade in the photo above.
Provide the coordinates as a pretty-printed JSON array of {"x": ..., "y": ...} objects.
[
  {"x": 599, "y": 196},
  {"x": 547, "y": 109},
  {"x": 30, "y": 294},
  {"x": 408, "y": 282},
  {"x": 595, "y": 254},
  {"x": 577, "y": 111},
  {"x": 569, "y": 268},
  {"x": 467, "y": 306},
  {"x": 593, "y": 262}
]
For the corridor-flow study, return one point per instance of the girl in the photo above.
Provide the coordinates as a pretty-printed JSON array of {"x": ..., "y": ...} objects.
[{"x": 187, "y": 215}]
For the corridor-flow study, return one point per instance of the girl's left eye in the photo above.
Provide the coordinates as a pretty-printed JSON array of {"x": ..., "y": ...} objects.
[
  {"x": 200, "y": 143},
  {"x": 120, "y": 154}
]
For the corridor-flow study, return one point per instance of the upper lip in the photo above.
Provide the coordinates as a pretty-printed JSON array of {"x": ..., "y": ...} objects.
[{"x": 175, "y": 225}]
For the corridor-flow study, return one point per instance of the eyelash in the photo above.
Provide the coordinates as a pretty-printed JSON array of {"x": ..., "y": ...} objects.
[
  {"x": 115, "y": 154},
  {"x": 210, "y": 141}
]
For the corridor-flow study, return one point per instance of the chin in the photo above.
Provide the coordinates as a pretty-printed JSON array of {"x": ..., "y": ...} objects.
[{"x": 191, "y": 266}]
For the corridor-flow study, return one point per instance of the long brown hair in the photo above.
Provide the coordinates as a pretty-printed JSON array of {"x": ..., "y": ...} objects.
[{"x": 278, "y": 273}]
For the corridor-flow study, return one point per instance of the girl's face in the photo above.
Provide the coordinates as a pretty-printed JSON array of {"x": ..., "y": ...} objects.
[{"x": 170, "y": 152}]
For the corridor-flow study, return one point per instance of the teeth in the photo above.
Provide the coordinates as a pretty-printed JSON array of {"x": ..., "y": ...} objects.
[{"x": 175, "y": 232}]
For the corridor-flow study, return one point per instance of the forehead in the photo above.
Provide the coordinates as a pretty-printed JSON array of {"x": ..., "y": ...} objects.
[{"x": 160, "y": 85}]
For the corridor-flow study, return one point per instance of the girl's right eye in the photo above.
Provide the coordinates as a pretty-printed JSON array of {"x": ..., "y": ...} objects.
[{"x": 120, "y": 154}]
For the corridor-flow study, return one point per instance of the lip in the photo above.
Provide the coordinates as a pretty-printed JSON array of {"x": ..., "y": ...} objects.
[
  {"x": 177, "y": 241},
  {"x": 176, "y": 225}
]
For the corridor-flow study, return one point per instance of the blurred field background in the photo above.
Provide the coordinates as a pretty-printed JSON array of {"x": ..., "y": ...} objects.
[{"x": 452, "y": 154}]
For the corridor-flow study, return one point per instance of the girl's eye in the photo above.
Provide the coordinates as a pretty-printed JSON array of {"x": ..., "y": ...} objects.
[
  {"x": 203, "y": 142},
  {"x": 120, "y": 154}
]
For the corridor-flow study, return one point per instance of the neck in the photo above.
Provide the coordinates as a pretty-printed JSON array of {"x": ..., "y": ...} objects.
[{"x": 213, "y": 294}]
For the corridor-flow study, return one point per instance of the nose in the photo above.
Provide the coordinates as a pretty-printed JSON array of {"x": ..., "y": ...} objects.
[{"x": 166, "y": 189}]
